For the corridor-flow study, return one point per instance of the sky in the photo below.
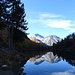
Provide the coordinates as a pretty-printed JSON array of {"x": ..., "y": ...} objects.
[{"x": 50, "y": 17}]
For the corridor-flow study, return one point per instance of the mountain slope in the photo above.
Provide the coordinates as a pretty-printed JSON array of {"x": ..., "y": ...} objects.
[
  {"x": 67, "y": 43},
  {"x": 49, "y": 40}
]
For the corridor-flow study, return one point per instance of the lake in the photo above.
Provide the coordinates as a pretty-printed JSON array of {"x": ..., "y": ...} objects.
[{"x": 48, "y": 63}]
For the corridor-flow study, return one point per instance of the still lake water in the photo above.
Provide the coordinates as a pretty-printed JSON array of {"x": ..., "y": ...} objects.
[{"x": 49, "y": 63}]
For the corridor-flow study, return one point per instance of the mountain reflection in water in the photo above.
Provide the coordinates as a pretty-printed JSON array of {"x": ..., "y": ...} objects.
[
  {"x": 49, "y": 57},
  {"x": 43, "y": 63}
]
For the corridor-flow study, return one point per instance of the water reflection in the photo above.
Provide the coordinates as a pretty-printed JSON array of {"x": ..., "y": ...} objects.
[
  {"x": 43, "y": 63},
  {"x": 69, "y": 56},
  {"x": 49, "y": 57},
  {"x": 17, "y": 69}
]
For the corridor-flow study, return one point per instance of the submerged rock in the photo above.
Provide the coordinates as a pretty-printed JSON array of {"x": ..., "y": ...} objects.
[{"x": 4, "y": 66}]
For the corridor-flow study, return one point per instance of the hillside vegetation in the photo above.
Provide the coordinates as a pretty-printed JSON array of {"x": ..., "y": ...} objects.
[{"x": 67, "y": 43}]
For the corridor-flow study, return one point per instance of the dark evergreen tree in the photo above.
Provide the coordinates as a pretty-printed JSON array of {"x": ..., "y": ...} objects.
[
  {"x": 3, "y": 23},
  {"x": 2, "y": 14},
  {"x": 12, "y": 17},
  {"x": 18, "y": 22}
]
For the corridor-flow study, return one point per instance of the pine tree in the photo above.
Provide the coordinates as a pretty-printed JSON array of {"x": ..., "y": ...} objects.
[
  {"x": 2, "y": 14},
  {"x": 12, "y": 17},
  {"x": 19, "y": 22},
  {"x": 15, "y": 21}
]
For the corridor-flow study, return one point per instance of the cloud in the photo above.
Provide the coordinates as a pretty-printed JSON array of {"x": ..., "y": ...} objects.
[
  {"x": 68, "y": 72},
  {"x": 59, "y": 73},
  {"x": 53, "y": 21},
  {"x": 49, "y": 15},
  {"x": 62, "y": 73}
]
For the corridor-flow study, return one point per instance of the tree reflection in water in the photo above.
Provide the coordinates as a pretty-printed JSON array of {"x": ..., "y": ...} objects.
[
  {"x": 69, "y": 56},
  {"x": 17, "y": 67}
]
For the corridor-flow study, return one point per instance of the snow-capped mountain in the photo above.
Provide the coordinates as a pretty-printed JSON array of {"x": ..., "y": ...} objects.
[
  {"x": 49, "y": 40},
  {"x": 37, "y": 38},
  {"x": 49, "y": 57}
]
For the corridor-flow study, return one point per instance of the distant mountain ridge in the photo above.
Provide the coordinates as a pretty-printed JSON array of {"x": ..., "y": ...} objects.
[
  {"x": 38, "y": 35},
  {"x": 49, "y": 40}
]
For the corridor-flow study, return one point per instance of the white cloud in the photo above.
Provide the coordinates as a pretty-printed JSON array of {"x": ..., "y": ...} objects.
[
  {"x": 54, "y": 21},
  {"x": 71, "y": 29},
  {"x": 62, "y": 73},
  {"x": 49, "y": 15},
  {"x": 68, "y": 72}
]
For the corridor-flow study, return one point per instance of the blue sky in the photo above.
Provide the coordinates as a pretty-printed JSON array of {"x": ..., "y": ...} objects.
[{"x": 50, "y": 17}]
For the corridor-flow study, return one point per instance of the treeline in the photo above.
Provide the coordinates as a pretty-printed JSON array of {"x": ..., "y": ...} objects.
[{"x": 66, "y": 43}]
